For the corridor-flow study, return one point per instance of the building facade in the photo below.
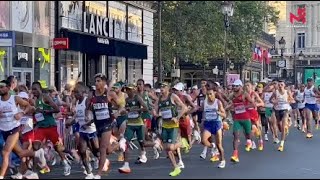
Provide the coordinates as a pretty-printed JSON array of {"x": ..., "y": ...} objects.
[
  {"x": 111, "y": 37},
  {"x": 301, "y": 31},
  {"x": 25, "y": 34}
]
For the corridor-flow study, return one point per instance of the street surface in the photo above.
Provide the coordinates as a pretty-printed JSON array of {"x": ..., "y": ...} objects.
[{"x": 298, "y": 160}]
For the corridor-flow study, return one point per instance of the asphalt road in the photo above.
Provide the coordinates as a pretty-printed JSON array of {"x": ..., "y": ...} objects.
[{"x": 298, "y": 160}]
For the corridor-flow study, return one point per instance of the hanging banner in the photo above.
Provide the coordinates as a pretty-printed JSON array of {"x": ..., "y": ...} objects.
[{"x": 232, "y": 77}]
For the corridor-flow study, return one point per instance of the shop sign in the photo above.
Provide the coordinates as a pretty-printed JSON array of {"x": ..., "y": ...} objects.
[
  {"x": 96, "y": 25},
  {"x": 60, "y": 43},
  {"x": 7, "y": 39},
  {"x": 103, "y": 41}
]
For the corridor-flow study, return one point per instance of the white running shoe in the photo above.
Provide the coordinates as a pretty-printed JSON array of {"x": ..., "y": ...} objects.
[
  {"x": 156, "y": 153},
  {"x": 181, "y": 165},
  {"x": 66, "y": 170},
  {"x": 125, "y": 168},
  {"x": 143, "y": 159},
  {"x": 266, "y": 137},
  {"x": 90, "y": 176},
  {"x": 17, "y": 176},
  {"x": 222, "y": 164},
  {"x": 203, "y": 155},
  {"x": 197, "y": 136},
  {"x": 254, "y": 146},
  {"x": 97, "y": 176},
  {"x": 31, "y": 175}
]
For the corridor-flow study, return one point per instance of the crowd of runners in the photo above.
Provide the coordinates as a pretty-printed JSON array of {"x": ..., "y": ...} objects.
[{"x": 111, "y": 117}]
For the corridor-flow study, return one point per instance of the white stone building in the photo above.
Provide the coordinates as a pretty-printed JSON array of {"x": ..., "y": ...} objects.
[{"x": 305, "y": 35}]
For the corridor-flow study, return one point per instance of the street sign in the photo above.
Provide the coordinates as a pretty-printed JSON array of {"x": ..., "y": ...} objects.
[{"x": 282, "y": 63}]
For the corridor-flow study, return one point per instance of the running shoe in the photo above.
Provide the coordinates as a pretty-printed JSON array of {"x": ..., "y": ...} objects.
[
  {"x": 45, "y": 170},
  {"x": 125, "y": 169},
  {"x": 235, "y": 158},
  {"x": 175, "y": 172},
  {"x": 280, "y": 148},
  {"x": 222, "y": 164},
  {"x": 309, "y": 135},
  {"x": 181, "y": 165}
]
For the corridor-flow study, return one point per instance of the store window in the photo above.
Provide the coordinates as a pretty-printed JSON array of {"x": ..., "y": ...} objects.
[
  {"x": 42, "y": 62},
  {"x": 134, "y": 70},
  {"x": 97, "y": 7},
  {"x": 3, "y": 63},
  {"x": 134, "y": 24},
  {"x": 71, "y": 14},
  {"x": 273, "y": 68},
  {"x": 22, "y": 57},
  {"x": 117, "y": 19},
  {"x": 116, "y": 68},
  {"x": 70, "y": 66}
]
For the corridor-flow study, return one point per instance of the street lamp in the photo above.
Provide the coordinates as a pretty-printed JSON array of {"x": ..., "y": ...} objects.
[
  {"x": 227, "y": 8},
  {"x": 301, "y": 57},
  {"x": 282, "y": 45},
  {"x": 160, "y": 68}
]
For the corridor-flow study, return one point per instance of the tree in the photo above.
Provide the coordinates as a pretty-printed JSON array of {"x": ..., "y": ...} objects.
[{"x": 194, "y": 30}]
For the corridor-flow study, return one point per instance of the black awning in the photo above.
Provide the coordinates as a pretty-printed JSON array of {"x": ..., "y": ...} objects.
[{"x": 91, "y": 44}]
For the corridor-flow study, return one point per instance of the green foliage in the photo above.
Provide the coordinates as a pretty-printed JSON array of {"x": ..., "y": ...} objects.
[{"x": 194, "y": 30}]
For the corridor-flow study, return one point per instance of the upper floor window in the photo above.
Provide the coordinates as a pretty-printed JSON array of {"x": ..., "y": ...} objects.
[
  {"x": 301, "y": 40},
  {"x": 134, "y": 24},
  {"x": 97, "y": 8},
  {"x": 71, "y": 14},
  {"x": 117, "y": 19}
]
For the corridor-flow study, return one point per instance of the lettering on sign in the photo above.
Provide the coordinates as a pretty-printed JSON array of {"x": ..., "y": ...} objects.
[
  {"x": 103, "y": 41},
  {"x": 22, "y": 56},
  {"x": 96, "y": 25},
  {"x": 300, "y": 17},
  {"x": 4, "y": 35},
  {"x": 60, "y": 43}
]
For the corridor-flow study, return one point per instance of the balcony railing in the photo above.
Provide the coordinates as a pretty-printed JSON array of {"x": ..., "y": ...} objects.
[{"x": 267, "y": 37}]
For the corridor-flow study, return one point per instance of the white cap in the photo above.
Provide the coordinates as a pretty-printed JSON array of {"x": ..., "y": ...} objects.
[
  {"x": 195, "y": 87},
  {"x": 217, "y": 83},
  {"x": 179, "y": 86},
  {"x": 23, "y": 95},
  {"x": 158, "y": 90},
  {"x": 237, "y": 82}
]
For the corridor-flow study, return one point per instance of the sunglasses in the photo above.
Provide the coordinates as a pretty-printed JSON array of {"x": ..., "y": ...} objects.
[{"x": 235, "y": 85}]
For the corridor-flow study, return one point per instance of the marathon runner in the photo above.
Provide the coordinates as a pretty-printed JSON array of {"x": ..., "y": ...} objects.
[
  {"x": 281, "y": 100},
  {"x": 213, "y": 113},
  {"x": 311, "y": 109},
  {"x": 10, "y": 117},
  {"x": 241, "y": 101},
  {"x": 46, "y": 127},
  {"x": 167, "y": 108},
  {"x": 99, "y": 107}
]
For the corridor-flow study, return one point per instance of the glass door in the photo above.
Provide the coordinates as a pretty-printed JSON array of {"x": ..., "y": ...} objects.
[{"x": 24, "y": 76}]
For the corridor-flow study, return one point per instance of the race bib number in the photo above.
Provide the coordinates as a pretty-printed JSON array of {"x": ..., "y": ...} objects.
[
  {"x": 211, "y": 115},
  {"x": 39, "y": 117},
  {"x": 102, "y": 114},
  {"x": 240, "y": 109},
  {"x": 133, "y": 115},
  {"x": 24, "y": 120},
  {"x": 166, "y": 114}
]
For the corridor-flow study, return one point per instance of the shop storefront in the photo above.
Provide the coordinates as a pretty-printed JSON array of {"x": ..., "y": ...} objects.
[
  {"x": 106, "y": 37},
  {"x": 24, "y": 41}
]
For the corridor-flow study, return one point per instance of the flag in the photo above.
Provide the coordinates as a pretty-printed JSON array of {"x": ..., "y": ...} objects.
[
  {"x": 268, "y": 57},
  {"x": 253, "y": 48},
  {"x": 259, "y": 55}
]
